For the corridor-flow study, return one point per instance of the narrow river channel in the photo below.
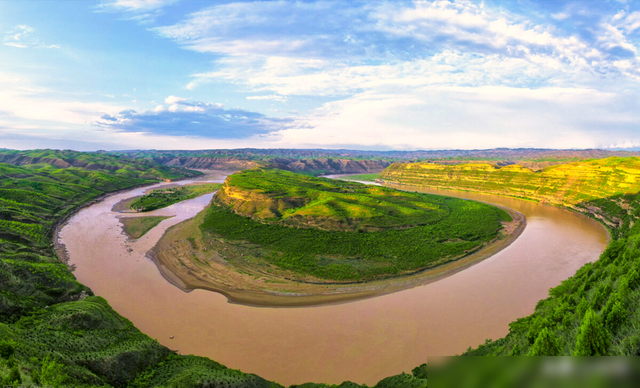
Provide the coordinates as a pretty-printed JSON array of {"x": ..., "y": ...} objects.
[{"x": 362, "y": 341}]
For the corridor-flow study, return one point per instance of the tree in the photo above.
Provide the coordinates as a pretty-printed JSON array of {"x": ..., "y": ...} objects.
[
  {"x": 13, "y": 378},
  {"x": 616, "y": 316},
  {"x": 546, "y": 344},
  {"x": 52, "y": 373},
  {"x": 593, "y": 339}
]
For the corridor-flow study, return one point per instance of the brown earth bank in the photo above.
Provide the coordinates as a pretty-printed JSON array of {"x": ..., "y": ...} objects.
[{"x": 190, "y": 260}]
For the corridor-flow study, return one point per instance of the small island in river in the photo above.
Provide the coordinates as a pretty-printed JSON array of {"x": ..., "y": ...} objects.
[{"x": 270, "y": 234}]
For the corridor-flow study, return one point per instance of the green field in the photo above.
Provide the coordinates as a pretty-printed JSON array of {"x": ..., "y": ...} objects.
[
  {"x": 160, "y": 198},
  {"x": 136, "y": 227},
  {"x": 345, "y": 230},
  {"x": 53, "y": 332},
  {"x": 596, "y": 311}
]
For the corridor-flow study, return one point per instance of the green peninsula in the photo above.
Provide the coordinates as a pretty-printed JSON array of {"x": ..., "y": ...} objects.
[{"x": 277, "y": 231}]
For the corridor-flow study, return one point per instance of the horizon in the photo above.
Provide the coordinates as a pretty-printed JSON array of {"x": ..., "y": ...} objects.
[
  {"x": 367, "y": 76},
  {"x": 332, "y": 150}
]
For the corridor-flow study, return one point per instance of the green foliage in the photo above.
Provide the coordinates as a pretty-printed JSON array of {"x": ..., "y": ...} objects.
[
  {"x": 616, "y": 316},
  {"x": 546, "y": 344},
  {"x": 13, "y": 378},
  {"x": 420, "y": 371},
  {"x": 593, "y": 338},
  {"x": 191, "y": 371},
  {"x": 6, "y": 350},
  {"x": 403, "y": 380},
  {"x": 160, "y": 198},
  {"x": 51, "y": 373}
]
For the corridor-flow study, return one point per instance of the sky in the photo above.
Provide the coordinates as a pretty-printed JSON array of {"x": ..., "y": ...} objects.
[{"x": 370, "y": 75}]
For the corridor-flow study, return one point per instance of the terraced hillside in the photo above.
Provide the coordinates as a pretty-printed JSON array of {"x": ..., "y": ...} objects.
[
  {"x": 121, "y": 165},
  {"x": 568, "y": 185},
  {"x": 53, "y": 332},
  {"x": 596, "y": 311}
]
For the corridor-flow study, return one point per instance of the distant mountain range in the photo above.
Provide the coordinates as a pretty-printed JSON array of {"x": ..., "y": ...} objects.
[
  {"x": 495, "y": 153},
  {"x": 306, "y": 161}
]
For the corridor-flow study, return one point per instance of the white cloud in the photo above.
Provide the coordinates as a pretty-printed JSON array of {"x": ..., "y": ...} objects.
[
  {"x": 159, "y": 108},
  {"x": 174, "y": 99},
  {"x": 273, "y": 97},
  {"x": 135, "y": 5},
  {"x": 469, "y": 117},
  {"x": 20, "y": 37},
  {"x": 141, "y": 11}
]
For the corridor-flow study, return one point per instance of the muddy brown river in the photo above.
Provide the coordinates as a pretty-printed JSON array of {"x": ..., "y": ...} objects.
[{"x": 362, "y": 341}]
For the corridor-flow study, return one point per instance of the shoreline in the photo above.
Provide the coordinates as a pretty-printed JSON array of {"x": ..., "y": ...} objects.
[{"x": 186, "y": 276}]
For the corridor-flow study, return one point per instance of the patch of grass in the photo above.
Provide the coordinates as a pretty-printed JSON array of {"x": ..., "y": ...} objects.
[{"x": 136, "y": 227}]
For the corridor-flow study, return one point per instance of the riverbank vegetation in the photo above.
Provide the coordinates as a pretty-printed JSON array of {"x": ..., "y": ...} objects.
[
  {"x": 314, "y": 226},
  {"x": 596, "y": 311},
  {"x": 136, "y": 227},
  {"x": 163, "y": 197},
  {"x": 52, "y": 330}
]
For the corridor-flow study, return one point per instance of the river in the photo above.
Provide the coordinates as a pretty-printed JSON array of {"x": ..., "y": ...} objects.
[{"x": 362, "y": 341}]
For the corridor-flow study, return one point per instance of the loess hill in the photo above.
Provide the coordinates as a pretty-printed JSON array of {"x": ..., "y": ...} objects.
[
  {"x": 575, "y": 185},
  {"x": 565, "y": 184},
  {"x": 290, "y": 199},
  {"x": 346, "y": 231}
]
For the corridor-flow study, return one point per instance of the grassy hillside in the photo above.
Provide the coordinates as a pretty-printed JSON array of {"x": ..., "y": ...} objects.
[
  {"x": 120, "y": 165},
  {"x": 574, "y": 185},
  {"x": 312, "y": 226},
  {"x": 282, "y": 197},
  {"x": 596, "y": 311},
  {"x": 565, "y": 184},
  {"x": 53, "y": 332}
]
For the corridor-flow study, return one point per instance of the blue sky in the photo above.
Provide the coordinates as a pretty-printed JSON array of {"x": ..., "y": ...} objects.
[{"x": 171, "y": 74}]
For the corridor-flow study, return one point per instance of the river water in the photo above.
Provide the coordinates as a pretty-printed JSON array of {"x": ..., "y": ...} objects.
[{"x": 362, "y": 341}]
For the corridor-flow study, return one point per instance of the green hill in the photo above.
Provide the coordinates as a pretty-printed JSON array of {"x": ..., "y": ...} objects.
[
  {"x": 313, "y": 226},
  {"x": 565, "y": 184}
]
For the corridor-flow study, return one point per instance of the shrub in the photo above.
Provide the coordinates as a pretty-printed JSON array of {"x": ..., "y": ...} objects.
[
  {"x": 593, "y": 338},
  {"x": 546, "y": 344}
]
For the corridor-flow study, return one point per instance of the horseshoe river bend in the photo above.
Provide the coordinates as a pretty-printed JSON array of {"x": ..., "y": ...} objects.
[{"x": 362, "y": 340}]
